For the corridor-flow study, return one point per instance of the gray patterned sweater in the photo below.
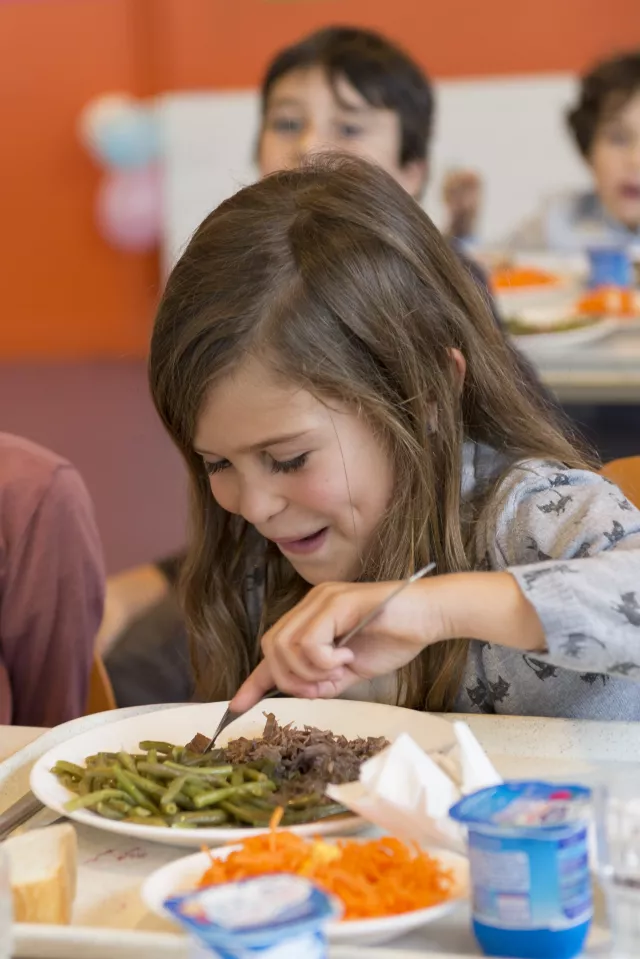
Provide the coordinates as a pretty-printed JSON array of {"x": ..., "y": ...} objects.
[{"x": 572, "y": 541}]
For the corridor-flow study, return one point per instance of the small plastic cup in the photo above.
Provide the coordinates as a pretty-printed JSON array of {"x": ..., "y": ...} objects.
[
  {"x": 610, "y": 267},
  {"x": 271, "y": 916},
  {"x": 529, "y": 862}
]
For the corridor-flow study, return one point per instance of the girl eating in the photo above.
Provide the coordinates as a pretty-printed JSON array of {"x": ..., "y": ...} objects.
[{"x": 348, "y": 412}]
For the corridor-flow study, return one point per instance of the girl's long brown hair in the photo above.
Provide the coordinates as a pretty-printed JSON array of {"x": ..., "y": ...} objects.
[{"x": 336, "y": 276}]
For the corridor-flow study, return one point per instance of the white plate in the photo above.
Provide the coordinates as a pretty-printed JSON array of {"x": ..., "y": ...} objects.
[
  {"x": 545, "y": 344},
  {"x": 352, "y": 719},
  {"x": 183, "y": 876}
]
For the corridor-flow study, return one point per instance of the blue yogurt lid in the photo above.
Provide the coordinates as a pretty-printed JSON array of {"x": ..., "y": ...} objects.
[
  {"x": 523, "y": 805},
  {"x": 254, "y": 912}
]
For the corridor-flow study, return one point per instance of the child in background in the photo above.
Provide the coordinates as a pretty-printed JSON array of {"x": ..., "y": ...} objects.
[
  {"x": 51, "y": 586},
  {"x": 605, "y": 125},
  {"x": 353, "y": 91},
  {"x": 348, "y": 411}
]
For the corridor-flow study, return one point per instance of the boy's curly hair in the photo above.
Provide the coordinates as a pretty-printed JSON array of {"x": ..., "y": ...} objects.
[{"x": 603, "y": 90}]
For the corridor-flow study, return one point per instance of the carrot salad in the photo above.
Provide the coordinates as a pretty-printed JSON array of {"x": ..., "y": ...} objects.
[
  {"x": 381, "y": 877},
  {"x": 511, "y": 277}
]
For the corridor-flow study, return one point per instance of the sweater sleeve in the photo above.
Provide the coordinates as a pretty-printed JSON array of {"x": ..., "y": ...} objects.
[
  {"x": 572, "y": 541},
  {"x": 52, "y": 607}
]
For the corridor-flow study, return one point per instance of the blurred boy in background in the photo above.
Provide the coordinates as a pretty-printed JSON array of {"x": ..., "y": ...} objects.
[{"x": 605, "y": 127}]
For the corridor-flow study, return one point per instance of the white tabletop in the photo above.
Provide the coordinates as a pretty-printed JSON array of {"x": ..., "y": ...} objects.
[
  {"x": 606, "y": 371},
  {"x": 13, "y": 738},
  {"x": 112, "y": 868}
]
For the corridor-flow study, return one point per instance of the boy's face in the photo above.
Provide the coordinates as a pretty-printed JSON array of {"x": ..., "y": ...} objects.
[
  {"x": 304, "y": 115},
  {"x": 615, "y": 160}
]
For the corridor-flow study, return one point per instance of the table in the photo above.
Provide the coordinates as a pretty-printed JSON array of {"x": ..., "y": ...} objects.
[
  {"x": 606, "y": 371},
  {"x": 115, "y": 867},
  {"x": 13, "y": 738}
]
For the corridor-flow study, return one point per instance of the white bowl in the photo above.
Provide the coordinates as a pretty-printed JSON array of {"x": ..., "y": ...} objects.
[{"x": 183, "y": 875}]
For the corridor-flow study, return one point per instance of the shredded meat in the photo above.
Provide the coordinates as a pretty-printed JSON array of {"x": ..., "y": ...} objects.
[{"x": 305, "y": 760}]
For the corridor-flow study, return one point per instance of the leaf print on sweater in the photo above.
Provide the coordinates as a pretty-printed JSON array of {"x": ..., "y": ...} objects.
[
  {"x": 576, "y": 643},
  {"x": 541, "y": 669},
  {"x": 630, "y": 608},
  {"x": 592, "y": 678},
  {"x": 556, "y": 506},
  {"x": 617, "y": 533}
]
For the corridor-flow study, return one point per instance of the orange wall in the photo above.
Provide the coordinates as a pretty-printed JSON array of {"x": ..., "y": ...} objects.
[{"x": 65, "y": 293}]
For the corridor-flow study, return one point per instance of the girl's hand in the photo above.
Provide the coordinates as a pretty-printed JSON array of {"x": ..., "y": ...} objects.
[
  {"x": 462, "y": 194},
  {"x": 300, "y": 657}
]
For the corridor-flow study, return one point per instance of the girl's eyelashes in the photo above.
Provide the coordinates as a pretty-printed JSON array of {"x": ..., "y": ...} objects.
[
  {"x": 277, "y": 466},
  {"x": 289, "y": 466},
  {"x": 213, "y": 468}
]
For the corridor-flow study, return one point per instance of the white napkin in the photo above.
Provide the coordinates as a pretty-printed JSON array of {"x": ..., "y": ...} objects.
[{"x": 408, "y": 792}]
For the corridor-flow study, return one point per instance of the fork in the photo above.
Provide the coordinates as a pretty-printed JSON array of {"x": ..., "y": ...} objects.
[{"x": 230, "y": 715}]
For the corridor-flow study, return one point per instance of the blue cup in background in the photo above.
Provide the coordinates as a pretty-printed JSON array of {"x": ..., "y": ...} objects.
[{"x": 610, "y": 266}]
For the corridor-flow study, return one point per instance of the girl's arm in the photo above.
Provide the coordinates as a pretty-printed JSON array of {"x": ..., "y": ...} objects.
[{"x": 568, "y": 545}]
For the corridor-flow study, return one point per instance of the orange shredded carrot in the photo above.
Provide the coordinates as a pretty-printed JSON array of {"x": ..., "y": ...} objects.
[
  {"x": 380, "y": 877},
  {"x": 608, "y": 301},
  {"x": 511, "y": 277}
]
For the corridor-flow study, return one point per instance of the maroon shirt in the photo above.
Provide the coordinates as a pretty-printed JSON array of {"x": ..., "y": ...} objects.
[{"x": 51, "y": 586}]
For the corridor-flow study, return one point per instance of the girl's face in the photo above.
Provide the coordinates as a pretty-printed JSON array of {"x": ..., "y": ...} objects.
[
  {"x": 615, "y": 160},
  {"x": 314, "y": 480}
]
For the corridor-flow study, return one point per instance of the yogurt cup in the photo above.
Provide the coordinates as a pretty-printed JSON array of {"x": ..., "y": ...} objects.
[
  {"x": 529, "y": 864},
  {"x": 270, "y": 917}
]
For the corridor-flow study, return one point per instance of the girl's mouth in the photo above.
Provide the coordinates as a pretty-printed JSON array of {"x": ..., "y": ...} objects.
[{"x": 305, "y": 544}]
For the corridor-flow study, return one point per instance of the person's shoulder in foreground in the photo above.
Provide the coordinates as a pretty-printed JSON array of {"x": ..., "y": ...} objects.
[{"x": 51, "y": 585}]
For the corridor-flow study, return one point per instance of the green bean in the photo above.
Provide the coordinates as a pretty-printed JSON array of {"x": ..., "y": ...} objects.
[
  {"x": 124, "y": 805},
  {"x": 141, "y": 812},
  {"x": 245, "y": 814},
  {"x": 151, "y": 821},
  {"x": 208, "y": 817},
  {"x": 224, "y": 771},
  {"x": 159, "y": 770},
  {"x": 203, "y": 759},
  {"x": 255, "y": 775},
  {"x": 304, "y": 802},
  {"x": 160, "y": 747},
  {"x": 237, "y": 778},
  {"x": 62, "y": 766},
  {"x": 293, "y": 818},
  {"x": 266, "y": 805},
  {"x": 196, "y": 788},
  {"x": 146, "y": 785},
  {"x": 124, "y": 781},
  {"x": 84, "y": 802},
  {"x": 152, "y": 756},
  {"x": 69, "y": 782},
  {"x": 101, "y": 759},
  {"x": 215, "y": 796},
  {"x": 108, "y": 812},
  {"x": 127, "y": 762},
  {"x": 170, "y": 809},
  {"x": 172, "y": 791}
]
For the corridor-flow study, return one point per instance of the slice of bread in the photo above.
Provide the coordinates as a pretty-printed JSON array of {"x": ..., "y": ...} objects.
[{"x": 43, "y": 870}]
